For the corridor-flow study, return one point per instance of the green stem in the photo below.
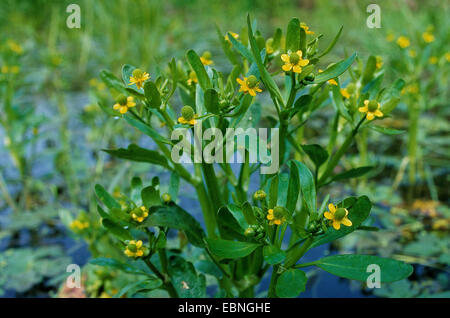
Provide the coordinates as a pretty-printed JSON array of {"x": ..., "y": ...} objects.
[
  {"x": 295, "y": 255},
  {"x": 273, "y": 282},
  {"x": 167, "y": 284}
]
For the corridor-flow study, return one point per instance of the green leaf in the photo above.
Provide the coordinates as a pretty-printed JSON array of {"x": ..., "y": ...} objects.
[
  {"x": 291, "y": 283},
  {"x": 112, "y": 263},
  {"x": 316, "y": 153},
  {"x": 174, "y": 186},
  {"x": 230, "y": 249},
  {"x": 244, "y": 51},
  {"x": 273, "y": 255},
  {"x": 330, "y": 47},
  {"x": 387, "y": 130},
  {"x": 293, "y": 188},
  {"x": 136, "y": 153},
  {"x": 185, "y": 279},
  {"x": 335, "y": 70},
  {"x": 105, "y": 197},
  {"x": 358, "y": 213},
  {"x": 152, "y": 94},
  {"x": 352, "y": 173},
  {"x": 369, "y": 69},
  {"x": 249, "y": 214},
  {"x": 231, "y": 222},
  {"x": 108, "y": 110},
  {"x": 127, "y": 72},
  {"x": 113, "y": 82},
  {"x": 293, "y": 36},
  {"x": 150, "y": 196},
  {"x": 175, "y": 217},
  {"x": 116, "y": 229},
  {"x": 136, "y": 187},
  {"x": 132, "y": 288},
  {"x": 390, "y": 105},
  {"x": 212, "y": 101},
  {"x": 148, "y": 130},
  {"x": 339, "y": 103},
  {"x": 307, "y": 186},
  {"x": 273, "y": 193},
  {"x": 301, "y": 104},
  {"x": 199, "y": 69},
  {"x": 355, "y": 267}
]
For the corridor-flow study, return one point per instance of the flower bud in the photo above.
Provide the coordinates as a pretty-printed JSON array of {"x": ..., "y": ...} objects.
[
  {"x": 187, "y": 112},
  {"x": 166, "y": 197},
  {"x": 121, "y": 100},
  {"x": 259, "y": 195},
  {"x": 373, "y": 105}
]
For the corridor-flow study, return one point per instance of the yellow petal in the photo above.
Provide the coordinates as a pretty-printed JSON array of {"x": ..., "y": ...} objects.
[
  {"x": 287, "y": 67},
  {"x": 116, "y": 106},
  {"x": 140, "y": 253},
  {"x": 277, "y": 222},
  {"x": 336, "y": 224},
  {"x": 303, "y": 62},
  {"x": 346, "y": 222},
  {"x": 328, "y": 215},
  {"x": 297, "y": 69},
  {"x": 139, "y": 243},
  {"x": 241, "y": 82},
  {"x": 299, "y": 53},
  {"x": 270, "y": 216},
  {"x": 258, "y": 89},
  {"x": 363, "y": 109},
  {"x": 331, "y": 207},
  {"x": 366, "y": 102},
  {"x": 123, "y": 109},
  {"x": 252, "y": 92},
  {"x": 285, "y": 58},
  {"x": 370, "y": 116},
  {"x": 378, "y": 113}
]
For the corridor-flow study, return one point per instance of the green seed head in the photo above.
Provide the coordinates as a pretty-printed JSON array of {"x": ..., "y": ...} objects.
[
  {"x": 294, "y": 58},
  {"x": 279, "y": 212},
  {"x": 122, "y": 100},
  {"x": 252, "y": 81},
  {"x": 207, "y": 55},
  {"x": 187, "y": 112},
  {"x": 132, "y": 247},
  {"x": 373, "y": 105},
  {"x": 351, "y": 88},
  {"x": 340, "y": 213},
  {"x": 137, "y": 72},
  {"x": 249, "y": 231},
  {"x": 166, "y": 197}
]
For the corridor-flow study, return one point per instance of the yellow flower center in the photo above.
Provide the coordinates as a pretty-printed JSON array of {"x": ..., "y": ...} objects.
[
  {"x": 340, "y": 214},
  {"x": 187, "y": 112}
]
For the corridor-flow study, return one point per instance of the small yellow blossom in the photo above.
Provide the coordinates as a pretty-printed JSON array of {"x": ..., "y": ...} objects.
[
  {"x": 139, "y": 77},
  {"x": 79, "y": 225},
  {"x": 139, "y": 214},
  {"x": 249, "y": 85},
  {"x": 134, "y": 249},
  {"x": 433, "y": 60},
  {"x": 412, "y": 53},
  {"x": 447, "y": 56},
  {"x": 276, "y": 216},
  {"x": 390, "y": 37},
  {"x": 13, "y": 46},
  {"x": 331, "y": 81},
  {"x": 166, "y": 197},
  {"x": 372, "y": 108},
  {"x": 123, "y": 103},
  {"x": 192, "y": 78},
  {"x": 294, "y": 62},
  {"x": 337, "y": 216},
  {"x": 403, "y": 42},
  {"x": 188, "y": 116},
  {"x": 379, "y": 61},
  {"x": 306, "y": 28},
  {"x": 234, "y": 35},
  {"x": 345, "y": 93},
  {"x": 259, "y": 195},
  {"x": 428, "y": 37},
  {"x": 206, "y": 58}
]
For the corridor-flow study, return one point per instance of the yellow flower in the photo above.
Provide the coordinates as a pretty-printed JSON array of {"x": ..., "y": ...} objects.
[
  {"x": 206, "y": 58},
  {"x": 379, "y": 61},
  {"x": 139, "y": 77},
  {"x": 123, "y": 103},
  {"x": 294, "y": 62},
  {"x": 276, "y": 216},
  {"x": 234, "y": 35},
  {"x": 166, "y": 197},
  {"x": 249, "y": 85},
  {"x": 13, "y": 46},
  {"x": 139, "y": 214},
  {"x": 78, "y": 225},
  {"x": 403, "y": 42},
  {"x": 188, "y": 116},
  {"x": 372, "y": 108},
  {"x": 428, "y": 37},
  {"x": 433, "y": 60},
  {"x": 192, "y": 78},
  {"x": 306, "y": 28},
  {"x": 134, "y": 249},
  {"x": 331, "y": 81},
  {"x": 345, "y": 93},
  {"x": 259, "y": 195},
  {"x": 337, "y": 216},
  {"x": 412, "y": 53},
  {"x": 390, "y": 37}
]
